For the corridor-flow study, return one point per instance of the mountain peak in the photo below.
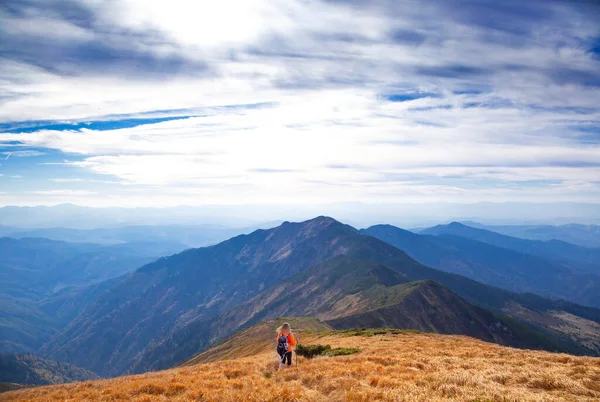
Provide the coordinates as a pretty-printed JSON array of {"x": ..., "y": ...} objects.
[
  {"x": 314, "y": 226},
  {"x": 455, "y": 224}
]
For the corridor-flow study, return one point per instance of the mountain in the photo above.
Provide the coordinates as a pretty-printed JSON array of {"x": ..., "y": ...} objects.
[
  {"x": 582, "y": 235},
  {"x": 387, "y": 365},
  {"x": 344, "y": 293},
  {"x": 180, "y": 304},
  {"x": 198, "y": 283},
  {"x": 33, "y": 370},
  {"x": 579, "y": 258},
  {"x": 46, "y": 283},
  {"x": 494, "y": 265}
]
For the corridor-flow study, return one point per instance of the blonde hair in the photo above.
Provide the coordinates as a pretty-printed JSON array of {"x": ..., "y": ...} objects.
[{"x": 285, "y": 327}]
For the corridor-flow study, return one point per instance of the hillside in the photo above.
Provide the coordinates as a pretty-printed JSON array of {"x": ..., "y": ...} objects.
[
  {"x": 171, "y": 309},
  {"x": 257, "y": 339},
  {"x": 33, "y": 370},
  {"x": 496, "y": 265},
  {"x": 389, "y": 367}
]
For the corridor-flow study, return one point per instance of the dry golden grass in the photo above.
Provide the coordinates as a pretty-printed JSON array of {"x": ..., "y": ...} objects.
[{"x": 404, "y": 367}]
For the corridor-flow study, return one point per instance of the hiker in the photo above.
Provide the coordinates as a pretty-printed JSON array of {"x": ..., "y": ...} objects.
[{"x": 285, "y": 344}]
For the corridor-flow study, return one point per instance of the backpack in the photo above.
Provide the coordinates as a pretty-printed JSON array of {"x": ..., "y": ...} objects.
[{"x": 282, "y": 344}]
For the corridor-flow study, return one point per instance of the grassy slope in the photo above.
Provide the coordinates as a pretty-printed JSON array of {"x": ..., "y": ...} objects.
[
  {"x": 256, "y": 339},
  {"x": 390, "y": 367}
]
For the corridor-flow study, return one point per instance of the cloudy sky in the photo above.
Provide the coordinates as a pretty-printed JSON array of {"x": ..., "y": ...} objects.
[{"x": 142, "y": 102}]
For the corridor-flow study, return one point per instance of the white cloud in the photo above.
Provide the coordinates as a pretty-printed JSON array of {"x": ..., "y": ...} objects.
[
  {"x": 346, "y": 144},
  {"x": 255, "y": 49},
  {"x": 23, "y": 154},
  {"x": 63, "y": 192},
  {"x": 325, "y": 69},
  {"x": 66, "y": 180}
]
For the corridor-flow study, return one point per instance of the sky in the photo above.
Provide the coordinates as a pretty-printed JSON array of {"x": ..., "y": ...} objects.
[{"x": 286, "y": 102}]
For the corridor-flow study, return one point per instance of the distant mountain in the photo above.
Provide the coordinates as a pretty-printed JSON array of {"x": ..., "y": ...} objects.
[
  {"x": 582, "y": 235},
  {"x": 188, "y": 235},
  {"x": 30, "y": 267},
  {"x": 46, "y": 283},
  {"x": 495, "y": 265},
  {"x": 178, "y": 301},
  {"x": 33, "y": 370},
  {"x": 581, "y": 258},
  {"x": 83, "y": 217}
]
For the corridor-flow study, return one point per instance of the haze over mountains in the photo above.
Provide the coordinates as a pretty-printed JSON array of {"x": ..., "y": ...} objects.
[
  {"x": 407, "y": 215},
  {"x": 115, "y": 309}
]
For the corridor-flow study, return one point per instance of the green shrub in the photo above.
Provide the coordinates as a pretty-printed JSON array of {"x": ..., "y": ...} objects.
[{"x": 310, "y": 351}]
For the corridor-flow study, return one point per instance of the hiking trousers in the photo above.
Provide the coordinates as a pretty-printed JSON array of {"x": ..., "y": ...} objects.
[{"x": 287, "y": 357}]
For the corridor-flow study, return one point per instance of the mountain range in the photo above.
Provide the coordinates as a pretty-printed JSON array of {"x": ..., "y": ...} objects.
[
  {"x": 579, "y": 257},
  {"x": 170, "y": 309},
  {"x": 510, "y": 263},
  {"x": 582, "y": 235}
]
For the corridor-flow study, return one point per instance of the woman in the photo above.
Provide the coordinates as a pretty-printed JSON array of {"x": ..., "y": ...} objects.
[{"x": 285, "y": 344}]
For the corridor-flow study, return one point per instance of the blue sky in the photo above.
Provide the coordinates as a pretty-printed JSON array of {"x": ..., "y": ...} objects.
[{"x": 144, "y": 103}]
